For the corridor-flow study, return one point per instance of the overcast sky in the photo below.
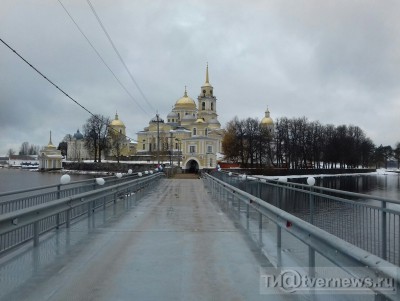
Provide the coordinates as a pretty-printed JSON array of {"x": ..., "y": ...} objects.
[{"x": 337, "y": 62}]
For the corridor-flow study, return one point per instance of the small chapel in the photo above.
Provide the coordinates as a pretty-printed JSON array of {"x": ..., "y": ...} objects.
[{"x": 50, "y": 158}]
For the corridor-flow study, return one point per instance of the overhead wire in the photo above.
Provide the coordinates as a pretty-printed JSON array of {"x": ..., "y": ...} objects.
[
  {"x": 118, "y": 54},
  {"x": 101, "y": 58},
  {"x": 61, "y": 90}
]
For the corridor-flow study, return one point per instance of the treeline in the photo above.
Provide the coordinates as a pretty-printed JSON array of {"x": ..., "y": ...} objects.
[
  {"x": 300, "y": 143},
  {"x": 25, "y": 149}
]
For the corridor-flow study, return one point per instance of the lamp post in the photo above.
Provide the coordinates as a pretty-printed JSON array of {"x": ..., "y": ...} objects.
[
  {"x": 158, "y": 139},
  {"x": 170, "y": 149},
  {"x": 179, "y": 151}
]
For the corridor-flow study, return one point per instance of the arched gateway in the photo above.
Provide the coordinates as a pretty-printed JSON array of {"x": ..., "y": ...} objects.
[{"x": 192, "y": 166}]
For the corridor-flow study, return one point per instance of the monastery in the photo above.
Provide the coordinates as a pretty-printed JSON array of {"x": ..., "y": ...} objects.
[{"x": 191, "y": 133}]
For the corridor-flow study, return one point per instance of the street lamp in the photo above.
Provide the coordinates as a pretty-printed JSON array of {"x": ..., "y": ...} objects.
[
  {"x": 171, "y": 148},
  {"x": 179, "y": 151}
]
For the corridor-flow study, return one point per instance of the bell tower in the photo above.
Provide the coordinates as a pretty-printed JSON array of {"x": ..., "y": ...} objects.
[{"x": 207, "y": 102}]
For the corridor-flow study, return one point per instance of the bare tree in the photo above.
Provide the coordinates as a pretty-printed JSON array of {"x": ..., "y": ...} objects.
[
  {"x": 24, "y": 149},
  {"x": 117, "y": 143},
  {"x": 10, "y": 152},
  {"x": 230, "y": 144},
  {"x": 95, "y": 134}
]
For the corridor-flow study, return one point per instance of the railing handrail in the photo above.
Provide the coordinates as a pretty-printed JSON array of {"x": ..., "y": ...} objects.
[
  {"x": 279, "y": 183},
  {"x": 18, "y": 218},
  {"x": 281, "y": 217},
  {"x": 56, "y": 185}
]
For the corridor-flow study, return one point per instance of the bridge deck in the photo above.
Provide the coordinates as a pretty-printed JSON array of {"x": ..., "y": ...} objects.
[{"x": 175, "y": 244}]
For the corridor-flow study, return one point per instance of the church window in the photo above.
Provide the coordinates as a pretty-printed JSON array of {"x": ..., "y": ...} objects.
[
  {"x": 144, "y": 146},
  {"x": 211, "y": 162},
  {"x": 206, "y": 132},
  {"x": 209, "y": 149},
  {"x": 212, "y": 107},
  {"x": 204, "y": 92},
  {"x": 203, "y": 105},
  {"x": 211, "y": 92},
  {"x": 169, "y": 120},
  {"x": 192, "y": 149},
  {"x": 194, "y": 131}
]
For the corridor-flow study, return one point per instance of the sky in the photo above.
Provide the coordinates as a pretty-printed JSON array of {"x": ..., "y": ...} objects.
[{"x": 337, "y": 62}]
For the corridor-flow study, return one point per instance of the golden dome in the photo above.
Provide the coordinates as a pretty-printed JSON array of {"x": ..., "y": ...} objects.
[
  {"x": 116, "y": 121},
  {"x": 267, "y": 120},
  {"x": 185, "y": 101}
]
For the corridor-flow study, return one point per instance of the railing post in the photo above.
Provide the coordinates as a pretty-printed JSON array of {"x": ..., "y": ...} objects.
[
  {"x": 58, "y": 221},
  {"x": 279, "y": 244},
  {"x": 89, "y": 208},
  {"x": 383, "y": 231},
  {"x": 238, "y": 207},
  {"x": 36, "y": 233},
  {"x": 247, "y": 215},
  {"x": 68, "y": 218},
  {"x": 279, "y": 193},
  {"x": 311, "y": 207},
  {"x": 260, "y": 228},
  {"x": 311, "y": 262}
]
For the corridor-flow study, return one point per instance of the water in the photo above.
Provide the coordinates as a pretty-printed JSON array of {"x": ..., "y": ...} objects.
[
  {"x": 387, "y": 186},
  {"x": 17, "y": 179}
]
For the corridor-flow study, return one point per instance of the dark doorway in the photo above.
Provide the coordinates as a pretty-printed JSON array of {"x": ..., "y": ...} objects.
[{"x": 193, "y": 167}]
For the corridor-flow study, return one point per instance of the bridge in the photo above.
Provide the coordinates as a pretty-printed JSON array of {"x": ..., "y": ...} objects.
[{"x": 219, "y": 237}]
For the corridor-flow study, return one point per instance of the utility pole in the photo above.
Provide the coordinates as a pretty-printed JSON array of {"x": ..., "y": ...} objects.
[
  {"x": 179, "y": 151},
  {"x": 171, "y": 149}
]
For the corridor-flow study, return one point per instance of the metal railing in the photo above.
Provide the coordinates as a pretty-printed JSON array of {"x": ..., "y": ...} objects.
[
  {"x": 20, "y": 226},
  {"x": 287, "y": 240},
  {"x": 16, "y": 200},
  {"x": 371, "y": 223}
]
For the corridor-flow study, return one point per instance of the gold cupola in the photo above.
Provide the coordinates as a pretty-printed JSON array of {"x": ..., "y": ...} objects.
[
  {"x": 116, "y": 121},
  {"x": 185, "y": 102},
  {"x": 267, "y": 120}
]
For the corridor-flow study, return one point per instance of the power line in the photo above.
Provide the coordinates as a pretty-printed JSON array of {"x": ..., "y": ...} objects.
[
  {"x": 118, "y": 54},
  {"x": 101, "y": 58},
  {"x": 61, "y": 90}
]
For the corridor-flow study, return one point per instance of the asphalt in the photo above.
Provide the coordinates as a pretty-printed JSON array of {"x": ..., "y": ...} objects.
[{"x": 175, "y": 244}]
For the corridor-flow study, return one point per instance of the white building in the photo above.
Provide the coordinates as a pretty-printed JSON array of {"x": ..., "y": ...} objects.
[
  {"x": 76, "y": 150},
  {"x": 50, "y": 158}
]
